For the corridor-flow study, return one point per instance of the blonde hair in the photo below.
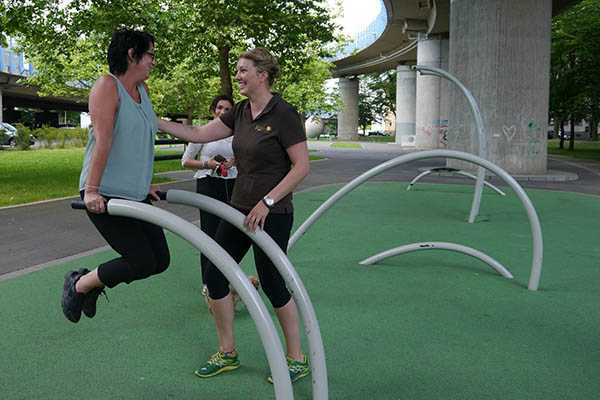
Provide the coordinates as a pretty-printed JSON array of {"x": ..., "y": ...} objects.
[{"x": 264, "y": 61}]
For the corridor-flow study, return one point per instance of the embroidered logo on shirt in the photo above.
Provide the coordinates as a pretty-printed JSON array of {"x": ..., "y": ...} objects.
[{"x": 263, "y": 128}]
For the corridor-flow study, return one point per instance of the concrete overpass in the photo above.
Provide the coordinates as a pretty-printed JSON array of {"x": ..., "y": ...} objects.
[
  {"x": 14, "y": 94},
  {"x": 500, "y": 49}
]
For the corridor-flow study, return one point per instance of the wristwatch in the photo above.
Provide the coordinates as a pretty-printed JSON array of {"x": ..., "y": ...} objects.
[{"x": 268, "y": 201}]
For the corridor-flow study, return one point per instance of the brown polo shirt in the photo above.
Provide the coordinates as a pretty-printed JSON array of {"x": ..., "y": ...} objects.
[{"x": 259, "y": 147}]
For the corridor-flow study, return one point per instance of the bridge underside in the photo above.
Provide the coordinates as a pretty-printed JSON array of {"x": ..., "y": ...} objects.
[{"x": 397, "y": 43}]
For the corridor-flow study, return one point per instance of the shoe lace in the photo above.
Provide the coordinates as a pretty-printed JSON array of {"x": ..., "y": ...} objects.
[
  {"x": 216, "y": 359},
  {"x": 296, "y": 366}
]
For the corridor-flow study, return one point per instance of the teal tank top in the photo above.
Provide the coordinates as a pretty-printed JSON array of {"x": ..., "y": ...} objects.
[{"x": 128, "y": 171}]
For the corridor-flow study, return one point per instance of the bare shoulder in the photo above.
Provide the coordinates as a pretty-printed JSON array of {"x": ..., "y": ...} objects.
[
  {"x": 104, "y": 94},
  {"x": 105, "y": 85}
]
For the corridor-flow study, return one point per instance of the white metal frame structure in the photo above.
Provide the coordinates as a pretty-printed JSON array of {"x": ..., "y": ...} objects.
[
  {"x": 536, "y": 230},
  {"x": 452, "y": 171},
  {"x": 408, "y": 248},
  {"x": 229, "y": 268},
  {"x": 481, "y": 139},
  {"x": 285, "y": 268}
]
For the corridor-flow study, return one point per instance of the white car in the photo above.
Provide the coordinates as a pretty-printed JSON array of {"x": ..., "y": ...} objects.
[{"x": 8, "y": 134}]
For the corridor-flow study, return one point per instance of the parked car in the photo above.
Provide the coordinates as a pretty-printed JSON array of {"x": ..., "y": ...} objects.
[{"x": 8, "y": 135}]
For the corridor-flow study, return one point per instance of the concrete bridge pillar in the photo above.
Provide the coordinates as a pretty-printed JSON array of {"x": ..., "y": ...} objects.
[
  {"x": 406, "y": 89},
  {"x": 347, "y": 128},
  {"x": 429, "y": 53},
  {"x": 500, "y": 50}
]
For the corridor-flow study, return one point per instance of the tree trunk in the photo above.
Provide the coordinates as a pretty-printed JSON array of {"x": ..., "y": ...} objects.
[
  {"x": 561, "y": 135},
  {"x": 556, "y": 127},
  {"x": 594, "y": 129},
  {"x": 226, "y": 87},
  {"x": 572, "y": 138},
  {"x": 190, "y": 116}
]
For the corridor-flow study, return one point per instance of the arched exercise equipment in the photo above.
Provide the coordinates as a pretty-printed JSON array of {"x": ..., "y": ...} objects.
[
  {"x": 536, "y": 230},
  {"x": 276, "y": 255},
  {"x": 409, "y": 248},
  {"x": 481, "y": 139},
  {"x": 223, "y": 261},
  {"x": 452, "y": 171}
]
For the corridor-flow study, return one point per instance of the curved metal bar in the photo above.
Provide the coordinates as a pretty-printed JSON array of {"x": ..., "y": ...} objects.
[
  {"x": 229, "y": 268},
  {"x": 452, "y": 171},
  {"x": 408, "y": 248},
  {"x": 482, "y": 141},
  {"x": 534, "y": 222},
  {"x": 285, "y": 268},
  {"x": 486, "y": 183},
  {"x": 416, "y": 178}
]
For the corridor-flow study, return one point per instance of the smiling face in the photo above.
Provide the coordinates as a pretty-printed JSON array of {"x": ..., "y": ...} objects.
[
  {"x": 222, "y": 107},
  {"x": 145, "y": 64},
  {"x": 249, "y": 78}
]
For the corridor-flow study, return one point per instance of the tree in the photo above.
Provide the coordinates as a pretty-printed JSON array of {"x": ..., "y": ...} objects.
[
  {"x": 194, "y": 32},
  {"x": 284, "y": 27},
  {"x": 305, "y": 88},
  {"x": 376, "y": 97},
  {"x": 575, "y": 62}
]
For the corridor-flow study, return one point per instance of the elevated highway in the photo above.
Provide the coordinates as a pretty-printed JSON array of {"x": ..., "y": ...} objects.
[{"x": 499, "y": 49}]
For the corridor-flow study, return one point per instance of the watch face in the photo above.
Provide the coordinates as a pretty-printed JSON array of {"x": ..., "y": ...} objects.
[{"x": 269, "y": 201}]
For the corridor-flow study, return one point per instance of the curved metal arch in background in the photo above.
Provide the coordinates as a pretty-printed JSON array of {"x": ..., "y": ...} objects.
[
  {"x": 534, "y": 222},
  {"x": 408, "y": 248},
  {"x": 229, "y": 268},
  {"x": 285, "y": 268},
  {"x": 452, "y": 171},
  {"x": 481, "y": 139}
]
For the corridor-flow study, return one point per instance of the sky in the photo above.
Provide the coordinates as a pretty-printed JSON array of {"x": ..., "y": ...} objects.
[{"x": 357, "y": 14}]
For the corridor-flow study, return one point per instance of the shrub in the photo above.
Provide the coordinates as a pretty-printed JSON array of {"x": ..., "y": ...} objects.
[
  {"x": 61, "y": 137},
  {"x": 23, "y": 137}
]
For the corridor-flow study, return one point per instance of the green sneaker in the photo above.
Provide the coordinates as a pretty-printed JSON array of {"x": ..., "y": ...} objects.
[
  {"x": 298, "y": 369},
  {"x": 217, "y": 363}
]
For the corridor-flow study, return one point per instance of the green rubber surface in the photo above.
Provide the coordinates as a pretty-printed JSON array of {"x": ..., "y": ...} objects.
[{"x": 426, "y": 325}]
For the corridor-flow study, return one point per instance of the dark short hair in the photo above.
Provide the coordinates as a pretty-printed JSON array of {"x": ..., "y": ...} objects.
[
  {"x": 264, "y": 61},
  {"x": 122, "y": 40},
  {"x": 217, "y": 99}
]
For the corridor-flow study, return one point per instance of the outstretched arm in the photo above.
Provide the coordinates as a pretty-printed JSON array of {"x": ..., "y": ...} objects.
[{"x": 210, "y": 132}]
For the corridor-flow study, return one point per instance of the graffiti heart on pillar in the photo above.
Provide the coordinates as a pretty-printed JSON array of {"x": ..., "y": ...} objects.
[{"x": 509, "y": 132}]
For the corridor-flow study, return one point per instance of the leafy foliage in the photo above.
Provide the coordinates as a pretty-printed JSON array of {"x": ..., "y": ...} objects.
[
  {"x": 195, "y": 39},
  {"x": 574, "y": 80},
  {"x": 376, "y": 97}
]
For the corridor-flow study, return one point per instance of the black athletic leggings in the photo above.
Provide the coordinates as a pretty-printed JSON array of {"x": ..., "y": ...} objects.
[
  {"x": 237, "y": 244},
  {"x": 219, "y": 189},
  {"x": 142, "y": 246}
]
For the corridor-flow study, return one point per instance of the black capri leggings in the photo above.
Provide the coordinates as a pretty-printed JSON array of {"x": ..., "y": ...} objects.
[
  {"x": 142, "y": 246},
  {"x": 219, "y": 189},
  {"x": 237, "y": 244}
]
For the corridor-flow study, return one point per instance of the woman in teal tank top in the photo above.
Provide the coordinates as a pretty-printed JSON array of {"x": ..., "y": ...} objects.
[{"x": 118, "y": 164}]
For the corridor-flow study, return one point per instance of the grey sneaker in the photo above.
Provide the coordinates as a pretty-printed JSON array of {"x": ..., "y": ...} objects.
[{"x": 72, "y": 302}]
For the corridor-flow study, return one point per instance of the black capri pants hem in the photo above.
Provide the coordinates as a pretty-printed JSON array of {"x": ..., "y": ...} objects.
[{"x": 237, "y": 244}]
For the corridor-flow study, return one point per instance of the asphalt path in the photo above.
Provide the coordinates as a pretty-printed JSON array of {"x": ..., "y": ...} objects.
[{"x": 39, "y": 235}]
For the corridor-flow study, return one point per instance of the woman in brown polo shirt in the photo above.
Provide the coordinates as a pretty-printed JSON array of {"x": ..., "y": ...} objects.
[{"x": 269, "y": 145}]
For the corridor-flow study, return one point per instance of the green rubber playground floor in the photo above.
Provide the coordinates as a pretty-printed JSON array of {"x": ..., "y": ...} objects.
[{"x": 421, "y": 326}]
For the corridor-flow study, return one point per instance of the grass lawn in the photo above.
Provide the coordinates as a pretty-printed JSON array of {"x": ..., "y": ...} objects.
[
  {"x": 346, "y": 145},
  {"x": 584, "y": 150},
  {"x": 35, "y": 175}
]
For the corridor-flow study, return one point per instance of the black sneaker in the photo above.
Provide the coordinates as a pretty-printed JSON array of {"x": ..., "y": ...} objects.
[
  {"x": 89, "y": 301},
  {"x": 72, "y": 301}
]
